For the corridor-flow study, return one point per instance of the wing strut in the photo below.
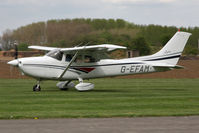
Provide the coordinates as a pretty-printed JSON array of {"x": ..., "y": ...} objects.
[
  {"x": 70, "y": 63},
  {"x": 68, "y": 66}
]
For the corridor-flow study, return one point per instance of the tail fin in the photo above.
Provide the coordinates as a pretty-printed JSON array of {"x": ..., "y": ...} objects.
[{"x": 172, "y": 51}]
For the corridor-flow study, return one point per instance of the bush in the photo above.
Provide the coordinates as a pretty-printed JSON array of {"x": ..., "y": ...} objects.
[
  {"x": 141, "y": 45},
  {"x": 190, "y": 50},
  {"x": 23, "y": 47}
]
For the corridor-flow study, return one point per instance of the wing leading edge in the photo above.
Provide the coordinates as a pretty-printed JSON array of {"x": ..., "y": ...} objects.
[
  {"x": 108, "y": 47},
  {"x": 43, "y": 48}
]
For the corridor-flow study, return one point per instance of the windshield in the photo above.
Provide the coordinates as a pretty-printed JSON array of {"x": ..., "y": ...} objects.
[{"x": 56, "y": 54}]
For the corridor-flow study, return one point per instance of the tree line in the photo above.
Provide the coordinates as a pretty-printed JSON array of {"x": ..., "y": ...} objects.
[{"x": 71, "y": 32}]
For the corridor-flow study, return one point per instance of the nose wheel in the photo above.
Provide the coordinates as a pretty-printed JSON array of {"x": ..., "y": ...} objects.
[{"x": 37, "y": 87}]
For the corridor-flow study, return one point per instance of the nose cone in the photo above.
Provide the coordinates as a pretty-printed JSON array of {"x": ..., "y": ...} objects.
[{"x": 13, "y": 62}]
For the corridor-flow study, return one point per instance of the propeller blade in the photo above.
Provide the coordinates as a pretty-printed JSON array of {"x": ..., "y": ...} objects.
[{"x": 16, "y": 52}]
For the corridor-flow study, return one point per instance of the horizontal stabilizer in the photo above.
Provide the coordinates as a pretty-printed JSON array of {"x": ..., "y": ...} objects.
[{"x": 166, "y": 67}]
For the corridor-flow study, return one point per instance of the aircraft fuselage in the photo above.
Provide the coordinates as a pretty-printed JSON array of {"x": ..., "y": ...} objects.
[{"x": 48, "y": 68}]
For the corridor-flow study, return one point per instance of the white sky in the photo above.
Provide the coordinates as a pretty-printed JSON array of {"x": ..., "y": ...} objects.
[{"x": 16, "y": 13}]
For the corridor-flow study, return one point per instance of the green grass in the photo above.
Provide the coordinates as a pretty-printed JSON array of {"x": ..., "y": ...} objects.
[{"x": 111, "y": 97}]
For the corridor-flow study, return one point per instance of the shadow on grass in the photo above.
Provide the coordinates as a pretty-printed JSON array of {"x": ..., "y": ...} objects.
[
  {"x": 166, "y": 89},
  {"x": 74, "y": 90},
  {"x": 110, "y": 90}
]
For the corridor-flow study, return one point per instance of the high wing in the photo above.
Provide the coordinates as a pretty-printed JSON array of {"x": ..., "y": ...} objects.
[
  {"x": 108, "y": 47},
  {"x": 43, "y": 48}
]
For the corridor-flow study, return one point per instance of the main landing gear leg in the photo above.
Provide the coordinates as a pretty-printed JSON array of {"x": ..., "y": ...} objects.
[
  {"x": 37, "y": 86},
  {"x": 80, "y": 80}
]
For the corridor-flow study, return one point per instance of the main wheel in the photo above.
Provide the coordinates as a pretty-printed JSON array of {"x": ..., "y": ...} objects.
[{"x": 36, "y": 88}]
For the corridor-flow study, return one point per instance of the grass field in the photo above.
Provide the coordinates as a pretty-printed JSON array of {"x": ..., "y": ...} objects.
[{"x": 112, "y": 97}]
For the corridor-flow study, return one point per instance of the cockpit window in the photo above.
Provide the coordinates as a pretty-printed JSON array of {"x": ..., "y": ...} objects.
[{"x": 56, "y": 54}]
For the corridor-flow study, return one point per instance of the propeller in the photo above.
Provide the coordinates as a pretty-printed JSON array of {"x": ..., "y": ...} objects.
[
  {"x": 15, "y": 62},
  {"x": 16, "y": 50}
]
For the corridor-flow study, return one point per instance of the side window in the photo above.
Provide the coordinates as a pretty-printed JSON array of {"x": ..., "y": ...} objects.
[
  {"x": 69, "y": 57},
  {"x": 89, "y": 59},
  {"x": 78, "y": 59}
]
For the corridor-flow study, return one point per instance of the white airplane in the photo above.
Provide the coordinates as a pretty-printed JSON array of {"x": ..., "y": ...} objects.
[{"x": 87, "y": 62}]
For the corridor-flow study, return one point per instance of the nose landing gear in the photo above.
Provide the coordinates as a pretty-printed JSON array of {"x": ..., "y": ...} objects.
[{"x": 37, "y": 86}]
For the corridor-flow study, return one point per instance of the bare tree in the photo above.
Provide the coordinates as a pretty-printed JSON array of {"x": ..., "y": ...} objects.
[{"x": 7, "y": 39}]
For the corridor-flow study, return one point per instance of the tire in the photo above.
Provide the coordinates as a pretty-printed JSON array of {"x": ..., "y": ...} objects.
[{"x": 36, "y": 88}]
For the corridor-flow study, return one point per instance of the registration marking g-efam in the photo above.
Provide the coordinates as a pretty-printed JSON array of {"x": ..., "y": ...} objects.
[{"x": 135, "y": 69}]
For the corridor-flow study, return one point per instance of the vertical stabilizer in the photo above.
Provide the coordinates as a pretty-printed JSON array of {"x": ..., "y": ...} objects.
[{"x": 172, "y": 51}]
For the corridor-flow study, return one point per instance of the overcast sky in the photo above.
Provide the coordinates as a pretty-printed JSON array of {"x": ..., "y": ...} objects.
[{"x": 16, "y": 13}]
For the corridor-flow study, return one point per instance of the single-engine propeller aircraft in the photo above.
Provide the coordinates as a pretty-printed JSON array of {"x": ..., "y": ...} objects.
[{"x": 87, "y": 62}]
